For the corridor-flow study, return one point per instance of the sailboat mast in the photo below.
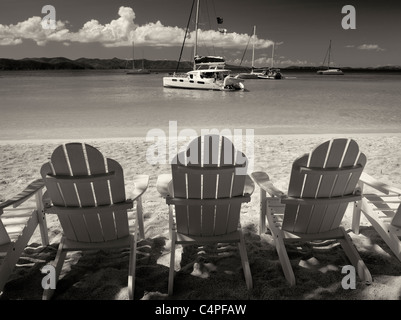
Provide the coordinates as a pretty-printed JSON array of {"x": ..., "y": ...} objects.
[
  {"x": 253, "y": 47},
  {"x": 196, "y": 31},
  {"x": 272, "y": 64},
  {"x": 328, "y": 60},
  {"x": 133, "y": 55}
]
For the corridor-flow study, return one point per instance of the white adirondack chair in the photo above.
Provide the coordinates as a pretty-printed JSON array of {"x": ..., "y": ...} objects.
[
  {"x": 382, "y": 208},
  {"x": 87, "y": 193},
  {"x": 207, "y": 194},
  {"x": 19, "y": 218},
  {"x": 322, "y": 184}
]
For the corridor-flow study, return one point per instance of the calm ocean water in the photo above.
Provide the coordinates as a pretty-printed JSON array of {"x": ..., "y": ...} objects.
[{"x": 111, "y": 104}]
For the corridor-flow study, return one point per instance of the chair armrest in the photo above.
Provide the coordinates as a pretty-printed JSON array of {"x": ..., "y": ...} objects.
[
  {"x": 24, "y": 195},
  {"x": 263, "y": 181},
  {"x": 381, "y": 186},
  {"x": 249, "y": 186},
  {"x": 163, "y": 183},
  {"x": 141, "y": 182},
  {"x": 47, "y": 202}
]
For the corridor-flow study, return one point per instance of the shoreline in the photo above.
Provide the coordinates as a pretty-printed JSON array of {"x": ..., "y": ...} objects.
[{"x": 259, "y": 136}]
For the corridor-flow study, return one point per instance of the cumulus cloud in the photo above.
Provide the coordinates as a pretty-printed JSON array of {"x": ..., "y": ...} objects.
[
  {"x": 31, "y": 29},
  {"x": 119, "y": 32},
  {"x": 289, "y": 62},
  {"x": 370, "y": 47}
]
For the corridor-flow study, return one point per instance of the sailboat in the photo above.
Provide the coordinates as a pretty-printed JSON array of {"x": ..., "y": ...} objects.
[
  {"x": 328, "y": 71},
  {"x": 209, "y": 72},
  {"x": 134, "y": 70},
  {"x": 252, "y": 74}
]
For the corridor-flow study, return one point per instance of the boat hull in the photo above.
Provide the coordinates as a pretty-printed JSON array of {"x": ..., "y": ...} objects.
[
  {"x": 247, "y": 75},
  {"x": 229, "y": 83},
  {"x": 272, "y": 74},
  {"x": 274, "y": 77},
  {"x": 139, "y": 71},
  {"x": 330, "y": 72},
  {"x": 185, "y": 83}
]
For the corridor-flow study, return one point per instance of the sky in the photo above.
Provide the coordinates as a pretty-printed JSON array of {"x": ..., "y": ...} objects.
[{"x": 300, "y": 30}]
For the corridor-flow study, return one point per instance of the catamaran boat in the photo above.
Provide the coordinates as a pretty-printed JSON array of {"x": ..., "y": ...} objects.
[
  {"x": 209, "y": 72},
  {"x": 208, "y": 75}
]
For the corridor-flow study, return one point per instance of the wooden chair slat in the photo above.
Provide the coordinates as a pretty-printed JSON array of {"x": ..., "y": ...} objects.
[
  {"x": 350, "y": 157},
  {"x": 94, "y": 228},
  {"x": 108, "y": 228},
  {"x": 97, "y": 165},
  {"x": 333, "y": 161},
  {"x": 78, "y": 225},
  {"x": 226, "y": 215},
  {"x": 59, "y": 161},
  {"x": 353, "y": 180},
  {"x": 52, "y": 186},
  {"x": 61, "y": 167},
  {"x": 329, "y": 217},
  {"x": 121, "y": 224},
  {"x": 210, "y": 161},
  {"x": 291, "y": 211},
  {"x": 317, "y": 216},
  {"x": 179, "y": 177},
  {"x": 181, "y": 217},
  {"x": 234, "y": 217},
  {"x": 302, "y": 218},
  {"x": 194, "y": 186},
  {"x": 208, "y": 223},
  {"x": 339, "y": 215},
  {"x": 317, "y": 159},
  {"x": 117, "y": 186},
  {"x": 296, "y": 178}
]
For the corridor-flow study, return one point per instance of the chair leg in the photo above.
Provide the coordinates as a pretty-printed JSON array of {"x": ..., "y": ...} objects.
[
  {"x": 262, "y": 216},
  {"x": 245, "y": 262},
  {"x": 132, "y": 266},
  {"x": 283, "y": 256},
  {"x": 58, "y": 263},
  {"x": 170, "y": 221},
  {"x": 41, "y": 218},
  {"x": 172, "y": 264},
  {"x": 16, "y": 248},
  {"x": 278, "y": 239},
  {"x": 139, "y": 211},
  {"x": 383, "y": 229},
  {"x": 356, "y": 216},
  {"x": 7, "y": 265},
  {"x": 354, "y": 257}
]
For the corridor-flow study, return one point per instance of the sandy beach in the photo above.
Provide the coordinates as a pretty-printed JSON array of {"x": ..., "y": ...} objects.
[{"x": 211, "y": 275}]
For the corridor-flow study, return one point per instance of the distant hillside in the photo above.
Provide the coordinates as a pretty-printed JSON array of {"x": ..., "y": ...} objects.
[
  {"x": 61, "y": 63},
  {"x": 347, "y": 69}
]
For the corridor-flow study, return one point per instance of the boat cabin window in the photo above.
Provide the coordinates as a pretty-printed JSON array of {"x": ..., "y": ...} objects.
[{"x": 208, "y": 75}]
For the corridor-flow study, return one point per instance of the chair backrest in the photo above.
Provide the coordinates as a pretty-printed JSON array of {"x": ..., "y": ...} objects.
[
  {"x": 324, "y": 181},
  {"x": 207, "y": 191},
  {"x": 86, "y": 190}
]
